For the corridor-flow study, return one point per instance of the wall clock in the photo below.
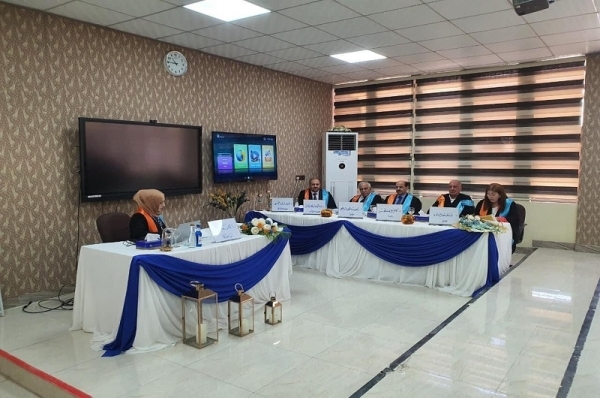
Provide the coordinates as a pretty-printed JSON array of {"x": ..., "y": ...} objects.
[{"x": 176, "y": 63}]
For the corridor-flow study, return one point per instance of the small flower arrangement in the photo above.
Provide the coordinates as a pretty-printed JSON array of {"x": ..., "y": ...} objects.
[
  {"x": 227, "y": 201},
  {"x": 265, "y": 227},
  {"x": 472, "y": 223},
  {"x": 340, "y": 128}
]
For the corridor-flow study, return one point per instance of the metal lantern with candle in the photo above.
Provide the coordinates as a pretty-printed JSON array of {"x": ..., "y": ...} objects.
[
  {"x": 199, "y": 296},
  {"x": 241, "y": 323},
  {"x": 273, "y": 311}
]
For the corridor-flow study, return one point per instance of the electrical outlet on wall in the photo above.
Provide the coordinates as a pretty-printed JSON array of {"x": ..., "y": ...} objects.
[{"x": 300, "y": 177}]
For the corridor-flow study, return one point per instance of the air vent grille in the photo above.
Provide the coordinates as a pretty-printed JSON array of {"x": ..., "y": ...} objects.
[{"x": 341, "y": 142}]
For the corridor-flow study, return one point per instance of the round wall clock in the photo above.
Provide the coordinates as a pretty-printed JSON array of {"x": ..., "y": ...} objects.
[{"x": 176, "y": 63}]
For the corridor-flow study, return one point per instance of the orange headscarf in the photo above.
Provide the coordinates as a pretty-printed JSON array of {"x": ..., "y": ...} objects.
[{"x": 149, "y": 200}]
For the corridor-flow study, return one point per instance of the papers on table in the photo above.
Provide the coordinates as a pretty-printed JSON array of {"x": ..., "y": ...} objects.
[
  {"x": 389, "y": 212},
  {"x": 282, "y": 204},
  {"x": 224, "y": 230},
  {"x": 314, "y": 206},
  {"x": 350, "y": 210},
  {"x": 443, "y": 215}
]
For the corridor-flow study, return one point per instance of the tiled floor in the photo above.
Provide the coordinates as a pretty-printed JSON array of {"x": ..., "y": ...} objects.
[{"x": 338, "y": 334}]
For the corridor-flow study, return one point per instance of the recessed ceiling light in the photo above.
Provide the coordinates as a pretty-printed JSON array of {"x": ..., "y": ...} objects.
[
  {"x": 227, "y": 10},
  {"x": 358, "y": 56}
]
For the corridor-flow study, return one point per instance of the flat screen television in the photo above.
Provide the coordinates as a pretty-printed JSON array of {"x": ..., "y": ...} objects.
[
  {"x": 244, "y": 157},
  {"x": 118, "y": 158}
]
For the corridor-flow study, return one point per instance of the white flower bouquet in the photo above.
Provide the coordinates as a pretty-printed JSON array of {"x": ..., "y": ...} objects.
[{"x": 266, "y": 227}]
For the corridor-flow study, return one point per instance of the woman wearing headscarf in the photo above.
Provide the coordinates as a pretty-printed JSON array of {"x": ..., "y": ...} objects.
[
  {"x": 147, "y": 219},
  {"x": 497, "y": 204}
]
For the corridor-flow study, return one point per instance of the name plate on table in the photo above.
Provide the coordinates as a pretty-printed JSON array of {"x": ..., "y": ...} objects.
[
  {"x": 282, "y": 204},
  {"x": 389, "y": 212},
  {"x": 224, "y": 230},
  {"x": 314, "y": 207},
  {"x": 350, "y": 210},
  {"x": 443, "y": 215}
]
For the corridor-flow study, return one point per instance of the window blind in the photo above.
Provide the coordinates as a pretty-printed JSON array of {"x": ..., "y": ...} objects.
[{"x": 519, "y": 127}]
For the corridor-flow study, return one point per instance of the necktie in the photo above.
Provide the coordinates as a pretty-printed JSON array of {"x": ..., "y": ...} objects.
[
  {"x": 399, "y": 200},
  {"x": 315, "y": 196}
]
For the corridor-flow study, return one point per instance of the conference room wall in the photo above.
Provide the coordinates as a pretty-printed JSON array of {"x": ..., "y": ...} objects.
[{"x": 55, "y": 70}]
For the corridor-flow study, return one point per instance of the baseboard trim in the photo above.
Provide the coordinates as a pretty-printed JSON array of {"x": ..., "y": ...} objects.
[{"x": 545, "y": 244}]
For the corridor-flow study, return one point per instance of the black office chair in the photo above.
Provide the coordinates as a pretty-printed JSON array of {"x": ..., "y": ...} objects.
[
  {"x": 521, "y": 228},
  {"x": 113, "y": 227}
]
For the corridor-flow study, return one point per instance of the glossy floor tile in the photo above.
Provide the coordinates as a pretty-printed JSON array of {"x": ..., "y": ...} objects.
[{"x": 339, "y": 334}]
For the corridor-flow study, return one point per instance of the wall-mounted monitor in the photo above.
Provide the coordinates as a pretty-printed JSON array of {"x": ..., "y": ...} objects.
[
  {"x": 244, "y": 157},
  {"x": 118, "y": 158}
]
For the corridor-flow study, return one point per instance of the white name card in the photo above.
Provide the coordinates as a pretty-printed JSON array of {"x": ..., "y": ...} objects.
[
  {"x": 350, "y": 210},
  {"x": 224, "y": 230},
  {"x": 282, "y": 204},
  {"x": 443, "y": 215},
  {"x": 389, "y": 212},
  {"x": 313, "y": 206}
]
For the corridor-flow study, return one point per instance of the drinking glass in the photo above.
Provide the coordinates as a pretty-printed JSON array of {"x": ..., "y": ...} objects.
[
  {"x": 176, "y": 235},
  {"x": 411, "y": 210}
]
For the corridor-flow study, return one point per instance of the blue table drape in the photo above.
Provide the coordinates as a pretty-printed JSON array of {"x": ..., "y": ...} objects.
[
  {"x": 305, "y": 239},
  {"x": 413, "y": 251},
  {"x": 174, "y": 275}
]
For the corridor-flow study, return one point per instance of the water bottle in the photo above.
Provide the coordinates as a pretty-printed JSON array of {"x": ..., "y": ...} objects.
[
  {"x": 198, "y": 235},
  {"x": 192, "y": 237}
]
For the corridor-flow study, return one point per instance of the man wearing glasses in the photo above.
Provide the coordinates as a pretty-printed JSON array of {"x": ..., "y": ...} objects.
[
  {"x": 316, "y": 193},
  {"x": 454, "y": 198},
  {"x": 404, "y": 198},
  {"x": 366, "y": 197}
]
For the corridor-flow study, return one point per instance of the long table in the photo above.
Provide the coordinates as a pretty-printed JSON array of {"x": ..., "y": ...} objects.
[
  {"x": 343, "y": 256},
  {"x": 102, "y": 276}
]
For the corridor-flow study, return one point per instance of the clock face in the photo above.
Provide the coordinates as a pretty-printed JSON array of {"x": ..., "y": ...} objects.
[{"x": 176, "y": 63}]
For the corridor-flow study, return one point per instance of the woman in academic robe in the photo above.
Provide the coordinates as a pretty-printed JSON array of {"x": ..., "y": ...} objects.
[
  {"x": 497, "y": 204},
  {"x": 148, "y": 217}
]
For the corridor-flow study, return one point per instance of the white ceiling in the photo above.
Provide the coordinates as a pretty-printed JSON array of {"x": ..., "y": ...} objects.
[{"x": 298, "y": 36}]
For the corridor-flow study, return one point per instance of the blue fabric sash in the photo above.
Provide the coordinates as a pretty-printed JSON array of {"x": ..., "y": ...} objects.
[
  {"x": 368, "y": 200},
  {"x": 174, "y": 275},
  {"x": 407, "y": 202},
  {"x": 325, "y": 195},
  {"x": 507, "y": 205},
  {"x": 461, "y": 205},
  {"x": 414, "y": 251}
]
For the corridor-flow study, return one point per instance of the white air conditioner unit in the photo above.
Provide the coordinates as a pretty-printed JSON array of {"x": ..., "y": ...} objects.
[{"x": 340, "y": 164}]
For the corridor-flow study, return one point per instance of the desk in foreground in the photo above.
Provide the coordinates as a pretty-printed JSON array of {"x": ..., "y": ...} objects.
[
  {"x": 343, "y": 256},
  {"x": 102, "y": 277}
]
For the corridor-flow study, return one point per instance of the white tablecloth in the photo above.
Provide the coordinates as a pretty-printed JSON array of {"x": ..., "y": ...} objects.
[
  {"x": 102, "y": 274},
  {"x": 343, "y": 256}
]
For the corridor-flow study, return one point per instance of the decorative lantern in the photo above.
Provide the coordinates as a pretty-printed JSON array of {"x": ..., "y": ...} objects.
[
  {"x": 242, "y": 322},
  {"x": 273, "y": 311},
  {"x": 199, "y": 295}
]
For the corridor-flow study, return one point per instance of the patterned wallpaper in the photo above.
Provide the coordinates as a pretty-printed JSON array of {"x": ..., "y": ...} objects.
[
  {"x": 55, "y": 70},
  {"x": 588, "y": 207}
]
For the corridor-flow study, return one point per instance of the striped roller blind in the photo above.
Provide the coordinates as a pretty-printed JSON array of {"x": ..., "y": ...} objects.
[{"x": 519, "y": 127}]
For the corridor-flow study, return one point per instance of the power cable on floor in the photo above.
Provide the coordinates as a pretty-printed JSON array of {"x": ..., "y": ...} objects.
[{"x": 64, "y": 305}]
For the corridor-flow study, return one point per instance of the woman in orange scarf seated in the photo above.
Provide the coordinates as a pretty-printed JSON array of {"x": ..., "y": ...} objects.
[
  {"x": 147, "y": 219},
  {"x": 497, "y": 204}
]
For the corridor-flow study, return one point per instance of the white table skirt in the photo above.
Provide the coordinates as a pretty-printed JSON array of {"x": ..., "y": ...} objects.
[
  {"x": 343, "y": 256},
  {"x": 102, "y": 275}
]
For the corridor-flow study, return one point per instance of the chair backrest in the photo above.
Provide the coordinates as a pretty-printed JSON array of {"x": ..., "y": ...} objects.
[
  {"x": 113, "y": 227},
  {"x": 521, "y": 231}
]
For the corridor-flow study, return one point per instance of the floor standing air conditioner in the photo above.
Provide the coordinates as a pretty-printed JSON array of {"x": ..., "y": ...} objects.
[{"x": 340, "y": 164}]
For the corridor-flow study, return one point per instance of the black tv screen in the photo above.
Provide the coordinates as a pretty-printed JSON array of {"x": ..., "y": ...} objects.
[
  {"x": 244, "y": 157},
  {"x": 118, "y": 158}
]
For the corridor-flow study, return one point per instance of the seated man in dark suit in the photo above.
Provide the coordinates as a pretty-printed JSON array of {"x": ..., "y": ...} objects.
[
  {"x": 454, "y": 198},
  {"x": 404, "y": 198},
  {"x": 366, "y": 197},
  {"x": 316, "y": 193}
]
